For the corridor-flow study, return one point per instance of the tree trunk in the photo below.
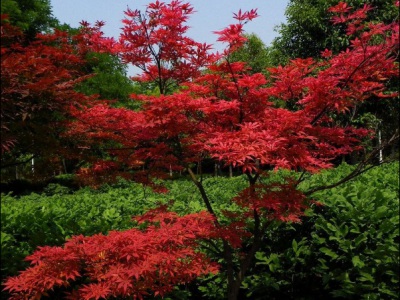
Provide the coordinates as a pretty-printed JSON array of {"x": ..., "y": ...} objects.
[
  {"x": 233, "y": 290},
  {"x": 199, "y": 169},
  {"x": 216, "y": 167},
  {"x": 65, "y": 166},
  {"x": 380, "y": 144}
]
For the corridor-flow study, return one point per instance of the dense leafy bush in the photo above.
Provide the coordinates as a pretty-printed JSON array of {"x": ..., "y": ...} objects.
[
  {"x": 49, "y": 218},
  {"x": 347, "y": 248},
  {"x": 358, "y": 237}
]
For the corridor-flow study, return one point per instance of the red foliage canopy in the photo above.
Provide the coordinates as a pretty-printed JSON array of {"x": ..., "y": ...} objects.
[
  {"x": 155, "y": 42},
  {"x": 37, "y": 86}
]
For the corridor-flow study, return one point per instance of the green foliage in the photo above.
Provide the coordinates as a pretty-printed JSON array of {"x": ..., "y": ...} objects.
[
  {"x": 49, "y": 218},
  {"x": 213, "y": 287},
  {"x": 32, "y": 16},
  {"x": 348, "y": 248},
  {"x": 308, "y": 29},
  {"x": 109, "y": 79},
  {"x": 220, "y": 190},
  {"x": 254, "y": 53},
  {"x": 58, "y": 212},
  {"x": 358, "y": 237}
]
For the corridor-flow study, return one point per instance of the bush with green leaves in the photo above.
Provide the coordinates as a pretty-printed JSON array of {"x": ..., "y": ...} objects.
[
  {"x": 348, "y": 248},
  {"x": 56, "y": 214},
  {"x": 358, "y": 237}
]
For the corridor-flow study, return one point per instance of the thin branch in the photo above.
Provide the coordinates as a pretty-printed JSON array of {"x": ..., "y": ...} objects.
[
  {"x": 241, "y": 117},
  {"x": 14, "y": 164},
  {"x": 301, "y": 178},
  {"x": 362, "y": 166},
  {"x": 344, "y": 84},
  {"x": 202, "y": 192},
  {"x": 211, "y": 247}
]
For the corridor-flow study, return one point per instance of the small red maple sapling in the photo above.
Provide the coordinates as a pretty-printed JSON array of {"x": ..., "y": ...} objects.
[{"x": 229, "y": 115}]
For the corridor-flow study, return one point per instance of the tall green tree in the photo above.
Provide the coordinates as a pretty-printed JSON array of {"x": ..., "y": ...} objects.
[
  {"x": 309, "y": 30},
  {"x": 254, "y": 53},
  {"x": 31, "y": 16},
  {"x": 110, "y": 80}
]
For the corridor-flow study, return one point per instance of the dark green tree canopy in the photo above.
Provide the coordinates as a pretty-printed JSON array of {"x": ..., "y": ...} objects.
[
  {"x": 309, "y": 30},
  {"x": 32, "y": 16},
  {"x": 109, "y": 80},
  {"x": 254, "y": 53}
]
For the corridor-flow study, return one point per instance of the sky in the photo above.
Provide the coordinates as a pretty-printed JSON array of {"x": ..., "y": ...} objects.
[{"x": 209, "y": 16}]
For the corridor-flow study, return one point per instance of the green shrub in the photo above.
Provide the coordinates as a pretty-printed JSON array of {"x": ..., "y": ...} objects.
[
  {"x": 348, "y": 248},
  {"x": 357, "y": 237},
  {"x": 50, "y": 218}
]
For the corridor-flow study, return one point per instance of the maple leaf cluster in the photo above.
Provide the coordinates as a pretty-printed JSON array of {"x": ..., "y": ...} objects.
[
  {"x": 155, "y": 42},
  {"x": 38, "y": 87},
  {"x": 233, "y": 34},
  {"x": 135, "y": 263}
]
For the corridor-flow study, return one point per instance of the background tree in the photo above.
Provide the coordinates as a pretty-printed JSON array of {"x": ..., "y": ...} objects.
[
  {"x": 254, "y": 53},
  {"x": 109, "y": 80},
  {"x": 38, "y": 87},
  {"x": 309, "y": 30},
  {"x": 31, "y": 16}
]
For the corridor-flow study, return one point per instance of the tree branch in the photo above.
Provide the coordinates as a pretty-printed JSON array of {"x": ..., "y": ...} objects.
[
  {"x": 18, "y": 163},
  {"x": 362, "y": 166}
]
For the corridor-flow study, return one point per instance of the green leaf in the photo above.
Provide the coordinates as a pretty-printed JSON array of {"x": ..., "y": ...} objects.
[
  {"x": 366, "y": 277},
  {"x": 328, "y": 252},
  {"x": 332, "y": 227},
  {"x": 60, "y": 227},
  {"x": 361, "y": 238},
  {"x": 381, "y": 212},
  {"x": 6, "y": 237},
  {"x": 357, "y": 262},
  {"x": 294, "y": 245}
]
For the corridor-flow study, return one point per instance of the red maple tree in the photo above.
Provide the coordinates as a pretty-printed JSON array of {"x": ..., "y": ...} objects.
[
  {"x": 226, "y": 114},
  {"x": 37, "y": 88}
]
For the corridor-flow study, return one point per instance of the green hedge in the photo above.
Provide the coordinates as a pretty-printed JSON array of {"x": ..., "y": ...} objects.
[
  {"x": 49, "y": 218},
  {"x": 348, "y": 248}
]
